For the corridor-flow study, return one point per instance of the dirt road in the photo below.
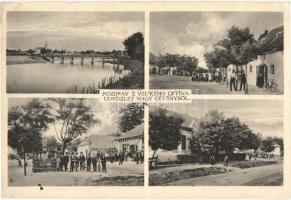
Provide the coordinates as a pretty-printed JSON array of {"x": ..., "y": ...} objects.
[
  {"x": 266, "y": 175},
  {"x": 128, "y": 173}
]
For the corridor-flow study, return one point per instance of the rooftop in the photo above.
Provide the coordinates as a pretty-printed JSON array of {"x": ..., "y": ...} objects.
[
  {"x": 137, "y": 131},
  {"x": 273, "y": 41}
]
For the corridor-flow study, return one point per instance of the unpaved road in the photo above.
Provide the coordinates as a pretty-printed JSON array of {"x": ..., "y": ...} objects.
[
  {"x": 128, "y": 169},
  {"x": 266, "y": 175}
]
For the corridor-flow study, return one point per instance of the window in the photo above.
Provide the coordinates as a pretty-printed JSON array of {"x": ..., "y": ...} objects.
[
  {"x": 250, "y": 68},
  {"x": 272, "y": 69},
  {"x": 183, "y": 142}
]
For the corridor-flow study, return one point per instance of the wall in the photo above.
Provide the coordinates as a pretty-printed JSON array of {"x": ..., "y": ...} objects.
[
  {"x": 138, "y": 142},
  {"x": 276, "y": 59},
  {"x": 83, "y": 148}
]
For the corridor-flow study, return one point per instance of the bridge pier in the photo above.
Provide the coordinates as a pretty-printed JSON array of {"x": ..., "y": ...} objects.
[
  {"x": 92, "y": 60},
  {"x": 72, "y": 60},
  {"x": 62, "y": 60},
  {"x": 82, "y": 60}
]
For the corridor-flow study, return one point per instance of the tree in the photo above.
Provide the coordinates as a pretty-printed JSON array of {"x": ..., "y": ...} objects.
[
  {"x": 131, "y": 116},
  {"x": 267, "y": 145},
  {"x": 52, "y": 144},
  {"x": 134, "y": 46},
  {"x": 218, "y": 58},
  {"x": 72, "y": 119},
  {"x": 164, "y": 130},
  {"x": 26, "y": 125},
  {"x": 237, "y": 48},
  {"x": 216, "y": 133}
]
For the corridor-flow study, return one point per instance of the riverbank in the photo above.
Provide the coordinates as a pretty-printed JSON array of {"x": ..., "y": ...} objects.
[
  {"x": 134, "y": 80},
  {"x": 15, "y": 60}
]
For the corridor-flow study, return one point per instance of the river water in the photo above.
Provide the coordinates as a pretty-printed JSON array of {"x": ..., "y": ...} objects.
[{"x": 61, "y": 78}]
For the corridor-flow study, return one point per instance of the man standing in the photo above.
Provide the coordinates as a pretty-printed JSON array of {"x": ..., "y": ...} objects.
[
  {"x": 82, "y": 161},
  {"x": 232, "y": 80},
  {"x": 88, "y": 159},
  {"x": 76, "y": 161},
  {"x": 225, "y": 160},
  {"x": 66, "y": 161},
  {"x": 103, "y": 162},
  {"x": 243, "y": 81},
  {"x": 72, "y": 163},
  {"x": 94, "y": 162}
]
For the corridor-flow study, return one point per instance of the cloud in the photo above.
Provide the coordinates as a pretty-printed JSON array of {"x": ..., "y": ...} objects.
[
  {"x": 194, "y": 33},
  {"x": 72, "y": 27}
]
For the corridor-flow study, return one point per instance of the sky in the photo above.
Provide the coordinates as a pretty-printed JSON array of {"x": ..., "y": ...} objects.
[
  {"x": 262, "y": 116},
  {"x": 194, "y": 33},
  {"x": 99, "y": 31},
  {"x": 107, "y": 114}
]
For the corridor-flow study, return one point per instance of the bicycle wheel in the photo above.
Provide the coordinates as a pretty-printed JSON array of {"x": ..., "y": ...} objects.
[{"x": 274, "y": 88}]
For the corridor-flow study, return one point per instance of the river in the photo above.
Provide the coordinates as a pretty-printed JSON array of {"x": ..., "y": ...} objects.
[{"x": 62, "y": 78}]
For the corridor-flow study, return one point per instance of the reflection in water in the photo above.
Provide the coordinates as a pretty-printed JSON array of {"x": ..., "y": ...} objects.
[{"x": 62, "y": 78}]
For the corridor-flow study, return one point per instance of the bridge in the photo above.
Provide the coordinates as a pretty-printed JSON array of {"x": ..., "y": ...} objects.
[{"x": 72, "y": 58}]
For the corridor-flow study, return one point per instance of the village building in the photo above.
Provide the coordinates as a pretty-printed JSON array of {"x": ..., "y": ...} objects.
[
  {"x": 184, "y": 146},
  {"x": 269, "y": 61},
  {"x": 97, "y": 143},
  {"x": 131, "y": 141}
]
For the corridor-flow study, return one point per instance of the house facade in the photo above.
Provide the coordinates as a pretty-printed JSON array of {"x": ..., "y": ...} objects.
[
  {"x": 184, "y": 146},
  {"x": 269, "y": 61},
  {"x": 97, "y": 143},
  {"x": 131, "y": 141}
]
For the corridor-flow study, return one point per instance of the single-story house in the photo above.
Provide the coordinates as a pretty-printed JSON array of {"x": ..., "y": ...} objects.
[
  {"x": 95, "y": 143},
  {"x": 269, "y": 61},
  {"x": 132, "y": 140},
  {"x": 186, "y": 136}
]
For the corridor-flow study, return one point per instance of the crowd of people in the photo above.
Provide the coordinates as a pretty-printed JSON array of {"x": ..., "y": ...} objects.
[{"x": 95, "y": 161}]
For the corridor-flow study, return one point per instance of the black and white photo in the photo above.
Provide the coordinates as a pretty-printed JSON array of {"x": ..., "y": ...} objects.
[
  {"x": 217, "y": 143},
  {"x": 217, "y": 52},
  {"x": 74, "y": 52},
  {"x": 74, "y": 142}
]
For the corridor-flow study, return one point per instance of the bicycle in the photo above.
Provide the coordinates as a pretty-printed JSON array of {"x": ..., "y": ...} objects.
[{"x": 272, "y": 86}]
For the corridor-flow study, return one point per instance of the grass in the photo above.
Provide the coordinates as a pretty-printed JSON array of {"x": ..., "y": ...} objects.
[
  {"x": 170, "y": 176},
  {"x": 119, "y": 181},
  {"x": 252, "y": 163},
  {"x": 135, "y": 80},
  {"x": 185, "y": 82}
]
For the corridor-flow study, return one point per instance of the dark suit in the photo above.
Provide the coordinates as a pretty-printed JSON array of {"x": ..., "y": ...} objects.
[
  {"x": 94, "y": 163},
  {"x": 89, "y": 163}
]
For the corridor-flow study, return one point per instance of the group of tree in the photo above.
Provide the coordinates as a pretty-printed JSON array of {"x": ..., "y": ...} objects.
[
  {"x": 268, "y": 144},
  {"x": 214, "y": 133},
  {"x": 26, "y": 125},
  {"x": 237, "y": 48},
  {"x": 131, "y": 116},
  {"x": 164, "y": 130},
  {"x": 182, "y": 62},
  {"x": 28, "y": 122},
  {"x": 134, "y": 46},
  {"x": 217, "y": 133}
]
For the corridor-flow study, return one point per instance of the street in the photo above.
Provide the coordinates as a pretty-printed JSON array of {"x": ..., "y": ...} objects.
[
  {"x": 184, "y": 82},
  {"x": 127, "y": 174},
  {"x": 266, "y": 175}
]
